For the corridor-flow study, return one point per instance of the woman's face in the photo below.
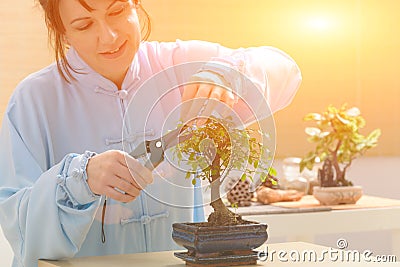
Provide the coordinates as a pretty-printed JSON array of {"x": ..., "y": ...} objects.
[{"x": 105, "y": 33}]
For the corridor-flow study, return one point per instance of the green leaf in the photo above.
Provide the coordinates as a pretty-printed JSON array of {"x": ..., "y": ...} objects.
[
  {"x": 312, "y": 131},
  {"x": 313, "y": 116},
  {"x": 374, "y": 135},
  {"x": 342, "y": 120},
  {"x": 360, "y": 146},
  {"x": 323, "y": 134},
  {"x": 353, "y": 112},
  {"x": 272, "y": 171},
  {"x": 243, "y": 177},
  {"x": 255, "y": 164}
]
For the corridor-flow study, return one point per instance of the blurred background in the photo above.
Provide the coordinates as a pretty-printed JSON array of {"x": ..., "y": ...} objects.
[{"x": 347, "y": 50}]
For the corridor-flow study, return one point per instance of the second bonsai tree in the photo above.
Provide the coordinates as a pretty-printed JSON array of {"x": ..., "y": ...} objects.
[{"x": 338, "y": 142}]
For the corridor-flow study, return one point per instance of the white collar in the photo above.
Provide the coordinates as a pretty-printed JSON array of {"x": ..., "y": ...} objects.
[{"x": 86, "y": 77}]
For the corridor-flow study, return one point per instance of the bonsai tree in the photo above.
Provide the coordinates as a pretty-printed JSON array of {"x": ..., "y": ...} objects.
[
  {"x": 337, "y": 143},
  {"x": 213, "y": 150}
]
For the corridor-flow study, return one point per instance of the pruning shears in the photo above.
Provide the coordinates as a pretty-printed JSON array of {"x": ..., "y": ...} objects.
[{"x": 153, "y": 150}]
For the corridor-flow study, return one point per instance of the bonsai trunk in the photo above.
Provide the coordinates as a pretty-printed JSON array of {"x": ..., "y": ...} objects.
[
  {"x": 326, "y": 175},
  {"x": 331, "y": 175},
  {"x": 221, "y": 215},
  {"x": 339, "y": 173}
]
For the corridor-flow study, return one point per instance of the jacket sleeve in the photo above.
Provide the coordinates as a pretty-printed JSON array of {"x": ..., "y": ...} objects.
[
  {"x": 44, "y": 213},
  {"x": 275, "y": 74}
]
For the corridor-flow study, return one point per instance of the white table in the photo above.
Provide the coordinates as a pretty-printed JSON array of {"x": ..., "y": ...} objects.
[
  {"x": 369, "y": 214},
  {"x": 284, "y": 254}
]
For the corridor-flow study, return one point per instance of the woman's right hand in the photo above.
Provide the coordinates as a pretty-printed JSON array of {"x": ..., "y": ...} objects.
[{"x": 117, "y": 175}]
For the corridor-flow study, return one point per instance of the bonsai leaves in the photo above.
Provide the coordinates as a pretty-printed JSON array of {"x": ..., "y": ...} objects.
[
  {"x": 234, "y": 149},
  {"x": 336, "y": 137},
  {"x": 216, "y": 147}
]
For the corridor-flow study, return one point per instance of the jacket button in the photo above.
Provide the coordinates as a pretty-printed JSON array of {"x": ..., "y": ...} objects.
[
  {"x": 122, "y": 94},
  {"x": 145, "y": 219}
]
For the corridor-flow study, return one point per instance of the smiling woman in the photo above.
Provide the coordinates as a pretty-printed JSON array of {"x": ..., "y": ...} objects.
[
  {"x": 92, "y": 31},
  {"x": 105, "y": 35}
]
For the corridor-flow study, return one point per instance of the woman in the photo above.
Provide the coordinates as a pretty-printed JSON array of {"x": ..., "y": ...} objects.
[{"x": 62, "y": 153}]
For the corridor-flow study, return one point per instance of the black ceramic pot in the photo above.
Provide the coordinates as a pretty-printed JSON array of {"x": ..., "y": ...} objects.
[
  {"x": 219, "y": 244},
  {"x": 206, "y": 239}
]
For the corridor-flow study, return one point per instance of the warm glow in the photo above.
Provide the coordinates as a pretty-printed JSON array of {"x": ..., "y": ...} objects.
[
  {"x": 347, "y": 50},
  {"x": 320, "y": 23}
]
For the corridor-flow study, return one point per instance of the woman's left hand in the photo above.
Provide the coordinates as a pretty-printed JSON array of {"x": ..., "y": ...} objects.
[{"x": 199, "y": 100}]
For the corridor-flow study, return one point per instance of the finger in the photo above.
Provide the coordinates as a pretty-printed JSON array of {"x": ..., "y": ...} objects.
[
  {"x": 215, "y": 97},
  {"x": 189, "y": 92},
  {"x": 194, "y": 110},
  {"x": 141, "y": 175},
  {"x": 196, "y": 104},
  {"x": 117, "y": 195},
  {"x": 229, "y": 99},
  {"x": 200, "y": 103},
  {"x": 141, "y": 181},
  {"x": 125, "y": 187},
  {"x": 126, "y": 174}
]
